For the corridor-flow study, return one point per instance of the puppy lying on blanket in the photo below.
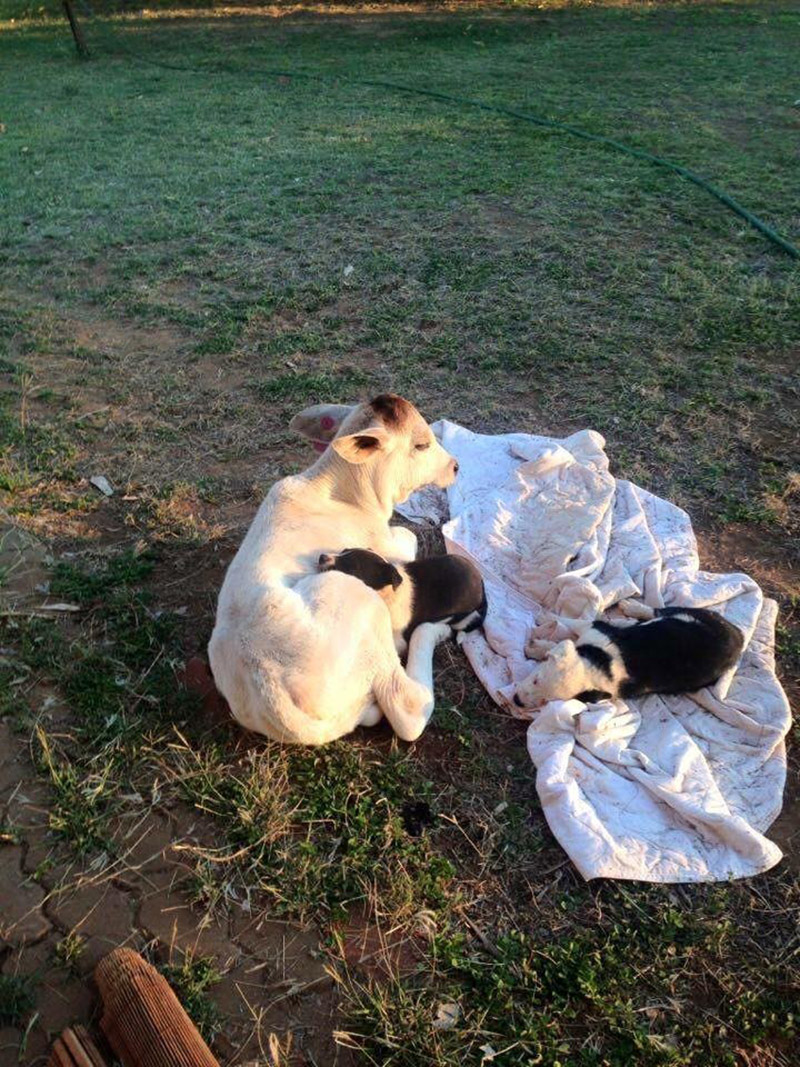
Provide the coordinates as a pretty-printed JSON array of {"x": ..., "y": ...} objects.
[
  {"x": 437, "y": 589},
  {"x": 678, "y": 650}
]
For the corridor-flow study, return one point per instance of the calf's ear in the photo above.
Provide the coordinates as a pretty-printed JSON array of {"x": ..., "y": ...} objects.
[
  {"x": 321, "y": 421},
  {"x": 361, "y": 446}
]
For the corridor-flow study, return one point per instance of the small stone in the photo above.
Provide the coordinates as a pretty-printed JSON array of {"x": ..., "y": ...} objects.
[
  {"x": 11, "y": 1039},
  {"x": 416, "y": 816},
  {"x": 380, "y": 953},
  {"x": 447, "y": 1015},
  {"x": 241, "y": 986},
  {"x": 62, "y": 1002},
  {"x": 31, "y": 960},
  {"x": 46, "y": 859},
  {"x": 196, "y": 677},
  {"x": 143, "y": 846},
  {"x": 99, "y": 481},
  {"x": 23, "y": 561},
  {"x": 13, "y": 764},
  {"x": 28, "y": 806}
]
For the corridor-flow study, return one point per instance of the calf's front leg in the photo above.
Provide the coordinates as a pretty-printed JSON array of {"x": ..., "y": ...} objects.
[
  {"x": 404, "y": 544},
  {"x": 406, "y": 696}
]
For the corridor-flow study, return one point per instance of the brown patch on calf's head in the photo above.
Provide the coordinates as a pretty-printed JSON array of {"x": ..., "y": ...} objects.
[
  {"x": 369, "y": 426},
  {"x": 393, "y": 410}
]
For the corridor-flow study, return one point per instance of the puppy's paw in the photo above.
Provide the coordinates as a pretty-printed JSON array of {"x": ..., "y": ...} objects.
[
  {"x": 431, "y": 633},
  {"x": 538, "y": 648},
  {"x": 636, "y": 609},
  {"x": 439, "y": 631}
]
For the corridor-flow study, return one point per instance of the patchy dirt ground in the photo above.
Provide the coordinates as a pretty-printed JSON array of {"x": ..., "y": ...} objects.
[{"x": 60, "y": 914}]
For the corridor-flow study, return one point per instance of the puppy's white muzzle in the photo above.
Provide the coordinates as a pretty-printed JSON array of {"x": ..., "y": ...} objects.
[{"x": 518, "y": 702}]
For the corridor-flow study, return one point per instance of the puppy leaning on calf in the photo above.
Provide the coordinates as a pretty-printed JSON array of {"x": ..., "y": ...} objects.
[
  {"x": 678, "y": 650},
  {"x": 445, "y": 588},
  {"x": 303, "y": 656}
]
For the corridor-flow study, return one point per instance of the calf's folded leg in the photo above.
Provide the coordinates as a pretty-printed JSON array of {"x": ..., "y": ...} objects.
[{"x": 406, "y": 696}]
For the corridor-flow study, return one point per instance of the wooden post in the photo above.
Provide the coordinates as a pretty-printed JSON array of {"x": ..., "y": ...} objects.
[
  {"x": 143, "y": 1020},
  {"x": 77, "y": 32},
  {"x": 75, "y": 1048}
]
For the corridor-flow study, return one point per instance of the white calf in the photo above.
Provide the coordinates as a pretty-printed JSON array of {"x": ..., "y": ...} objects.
[{"x": 306, "y": 657}]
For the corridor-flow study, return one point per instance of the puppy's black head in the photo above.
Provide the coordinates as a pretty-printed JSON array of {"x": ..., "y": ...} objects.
[{"x": 373, "y": 570}]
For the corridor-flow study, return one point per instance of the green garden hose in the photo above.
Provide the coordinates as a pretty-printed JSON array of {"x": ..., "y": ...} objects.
[
  {"x": 597, "y": 138},
  {"x": 549, "y": 124}
]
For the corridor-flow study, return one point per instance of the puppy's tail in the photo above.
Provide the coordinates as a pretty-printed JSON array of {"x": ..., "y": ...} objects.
[{"x": 471, "y": 620}]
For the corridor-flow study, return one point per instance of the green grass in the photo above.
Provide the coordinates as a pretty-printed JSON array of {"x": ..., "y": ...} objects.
[
  {"x": 192, "y": 978},
  {"x": 648, "y": 975},
  {"x": 69, "y": 951},
  {"x": 176, "y": 249},
  {"x": 304, "y": 387},
  {"x": 17, "y": 999},
  {"x": 527, "y": 996},
  {"x": 83, "y": 586},
  {"x": 582, "y": 286}
]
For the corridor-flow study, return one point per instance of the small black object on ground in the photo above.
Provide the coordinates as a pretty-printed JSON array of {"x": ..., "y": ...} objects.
[{"x": 416, "y": 816}]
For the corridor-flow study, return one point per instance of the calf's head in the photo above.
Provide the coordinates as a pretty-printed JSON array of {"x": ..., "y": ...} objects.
[{"x": 386, "y": 442}]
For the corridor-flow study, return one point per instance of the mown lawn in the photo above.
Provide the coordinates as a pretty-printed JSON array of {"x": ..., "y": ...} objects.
[{"x": 195, "y": 241}]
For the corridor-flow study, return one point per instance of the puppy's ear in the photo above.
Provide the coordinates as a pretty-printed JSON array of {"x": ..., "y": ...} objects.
[
  {"x": 361, "y": 446},
  {"x": 591, "y": 696},
  {"x": 393, "y": 576},
  {"x": 320, "y": 422}
]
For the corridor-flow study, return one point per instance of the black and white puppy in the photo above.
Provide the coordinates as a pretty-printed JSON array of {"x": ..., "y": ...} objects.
[
  {"x": 679, "y": 650},
  {"x": 437, "y": 589}
]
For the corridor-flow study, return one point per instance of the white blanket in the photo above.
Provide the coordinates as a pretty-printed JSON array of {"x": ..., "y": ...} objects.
[{"x": 661, "y": 789}]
